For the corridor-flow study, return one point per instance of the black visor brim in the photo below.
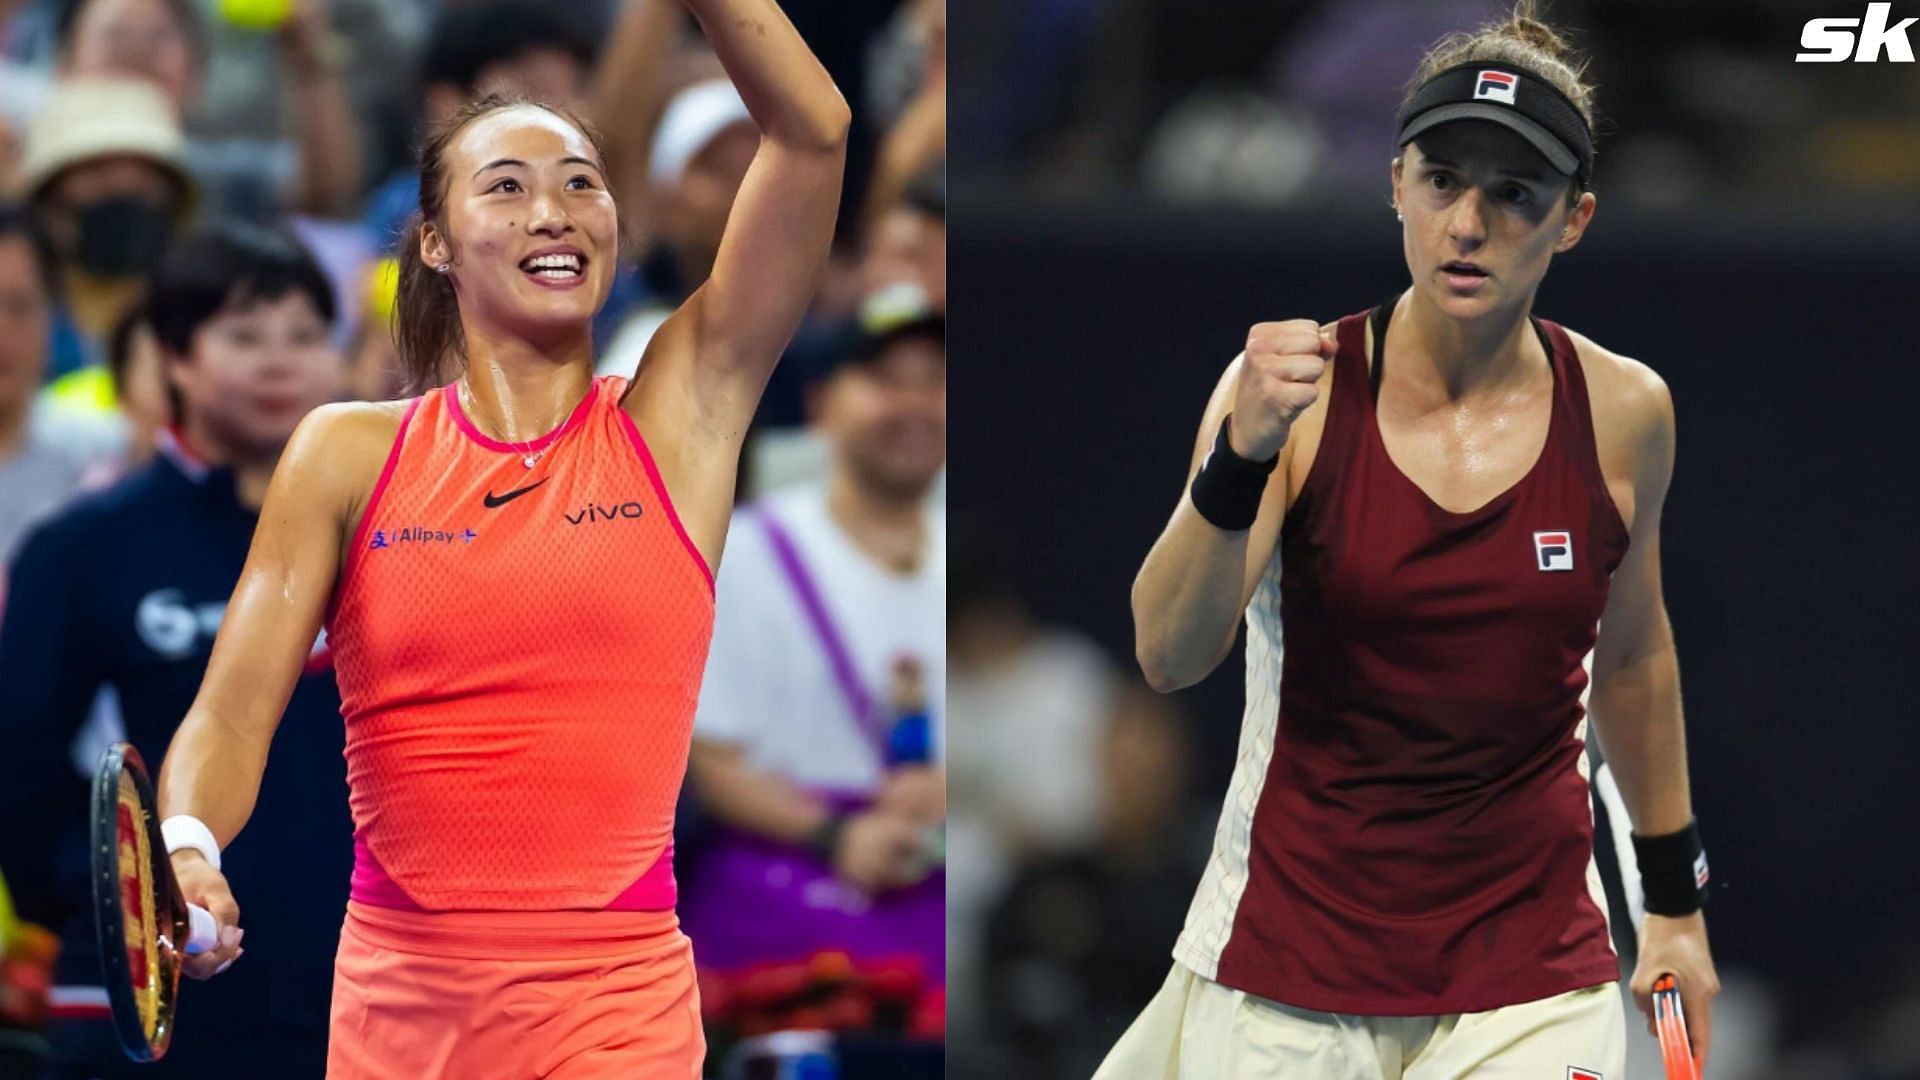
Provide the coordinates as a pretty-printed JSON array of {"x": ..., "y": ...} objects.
[{"x": 1557, "y": 153}]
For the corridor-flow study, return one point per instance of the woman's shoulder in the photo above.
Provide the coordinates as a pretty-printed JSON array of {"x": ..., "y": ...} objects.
[
  {"x": 341, "y": 447},
  {"x": 347, "y": 426},
  {"x": 1631, "y": 406},
  {"x": 1619, "y": 384}
]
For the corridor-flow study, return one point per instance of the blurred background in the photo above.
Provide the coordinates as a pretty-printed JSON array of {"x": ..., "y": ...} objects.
[
  {"x": 1140, "y": 181},
  {"x": 257, "y": 157}
]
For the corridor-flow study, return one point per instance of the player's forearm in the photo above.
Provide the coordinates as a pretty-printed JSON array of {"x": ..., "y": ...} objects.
[
  {"x": 1636, "y": 712},
  {"x": 791, "y": 97},
  {"x": 212, "y": 771},
  {"x": 752, "y": 800},
  {"x": 1187, "y": 600}
]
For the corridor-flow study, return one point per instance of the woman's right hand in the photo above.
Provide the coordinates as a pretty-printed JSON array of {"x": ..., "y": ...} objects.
[
  {"x": 1279, "y": 380},
  {"x": 207, "y": 887}
]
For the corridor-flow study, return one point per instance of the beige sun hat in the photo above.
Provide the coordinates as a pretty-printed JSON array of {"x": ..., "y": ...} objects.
[{"x": 84, "y": 119}]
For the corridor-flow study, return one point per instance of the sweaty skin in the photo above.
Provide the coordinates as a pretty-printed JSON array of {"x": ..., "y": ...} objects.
[
  {"x": 530, "y": 349},
  {"x": 1464, "y": 416}
]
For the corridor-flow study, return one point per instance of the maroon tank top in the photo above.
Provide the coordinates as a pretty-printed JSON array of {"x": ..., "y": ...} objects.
[{"x": 1421, "y": 842}]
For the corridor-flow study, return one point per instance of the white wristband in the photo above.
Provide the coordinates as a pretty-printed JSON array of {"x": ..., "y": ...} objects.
[{"x": 187, "y": 831}]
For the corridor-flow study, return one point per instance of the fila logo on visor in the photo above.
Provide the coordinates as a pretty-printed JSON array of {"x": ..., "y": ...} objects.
[
  {"x": 1575, "y": 1072},
  {"x": 1495, "y": 86},
  {"x": 1553, "y": 550}
]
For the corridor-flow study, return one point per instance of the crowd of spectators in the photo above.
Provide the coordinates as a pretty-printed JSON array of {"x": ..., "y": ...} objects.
[{"x": 200, "y": 202}]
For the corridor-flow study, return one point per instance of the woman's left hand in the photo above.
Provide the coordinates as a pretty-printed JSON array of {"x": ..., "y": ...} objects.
[{"x": 1677, "y": 946}]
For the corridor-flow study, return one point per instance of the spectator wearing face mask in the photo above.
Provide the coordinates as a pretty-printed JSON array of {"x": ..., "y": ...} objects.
[{"x": 105, "y": 169}]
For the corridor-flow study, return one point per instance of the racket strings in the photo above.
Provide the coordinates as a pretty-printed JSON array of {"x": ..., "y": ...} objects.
[{"x": 142, "y": 933}]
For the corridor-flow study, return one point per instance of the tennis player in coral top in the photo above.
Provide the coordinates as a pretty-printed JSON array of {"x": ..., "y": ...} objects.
[{"x": 515, "y": 573}]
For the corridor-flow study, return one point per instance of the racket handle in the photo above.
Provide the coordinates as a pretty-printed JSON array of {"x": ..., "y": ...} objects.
[{"x": 203, "y": 934}]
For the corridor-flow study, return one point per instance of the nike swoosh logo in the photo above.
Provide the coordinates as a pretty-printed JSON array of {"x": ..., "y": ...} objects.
[{"x": 493, "y": 500}]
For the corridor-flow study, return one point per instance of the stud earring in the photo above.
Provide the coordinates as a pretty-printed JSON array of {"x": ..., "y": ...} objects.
[{"x": 443, "y": 268}]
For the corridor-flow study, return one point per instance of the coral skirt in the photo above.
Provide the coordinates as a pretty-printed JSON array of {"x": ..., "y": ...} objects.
[{"x": 571, "y": 995}]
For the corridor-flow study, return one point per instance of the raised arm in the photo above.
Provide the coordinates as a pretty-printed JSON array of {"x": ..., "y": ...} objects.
[
  {"x": 730, "y": 333},
  {"x": 212, "y": 769},
  {"x": 1197, "y": 579},
  {"x": 323, "y": 120},
  {"x": 919, "y": 138}
]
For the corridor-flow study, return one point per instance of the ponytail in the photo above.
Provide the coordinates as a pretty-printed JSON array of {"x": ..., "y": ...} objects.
[{"x": 426, "y": 324}]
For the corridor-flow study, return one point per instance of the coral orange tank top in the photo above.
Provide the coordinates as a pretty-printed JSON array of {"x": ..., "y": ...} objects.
[{"x": 519, "y": 651}]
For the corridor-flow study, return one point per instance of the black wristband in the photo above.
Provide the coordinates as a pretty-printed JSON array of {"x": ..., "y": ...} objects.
[
  {"x": 825, "y": 840},
  {"x": 1673, "y": 871},
  {"x": 1228, "y": 487}
]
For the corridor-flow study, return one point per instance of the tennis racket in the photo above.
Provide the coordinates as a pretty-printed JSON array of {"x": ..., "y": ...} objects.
[
  {"x": 145, "y": 925},
  {"x": 1670, "y": 1023}
]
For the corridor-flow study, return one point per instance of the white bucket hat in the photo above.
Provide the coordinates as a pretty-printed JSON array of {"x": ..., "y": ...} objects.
[{"x": 85, "y": 119}]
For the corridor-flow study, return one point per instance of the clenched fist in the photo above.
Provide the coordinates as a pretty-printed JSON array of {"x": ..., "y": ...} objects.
[{"x": 1278, "y": 380}]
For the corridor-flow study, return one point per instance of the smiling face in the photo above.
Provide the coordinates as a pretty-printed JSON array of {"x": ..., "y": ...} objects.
[
  {"x": 1485, "y": 214},
  {"x": 886, "y": 417},
  {"x": 255, "y": 369},
  {"x": 529, "y": 226}
]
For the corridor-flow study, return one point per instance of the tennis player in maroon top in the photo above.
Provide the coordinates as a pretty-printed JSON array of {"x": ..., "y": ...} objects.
[{"x": 1452, "y": 508}]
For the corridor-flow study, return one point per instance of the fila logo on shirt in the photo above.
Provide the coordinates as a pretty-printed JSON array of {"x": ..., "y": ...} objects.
[
  {"x": 1575, "y": 1072},
  {"x": 1495, "y": 86},
  {"x": 1553, "y": 550}
]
